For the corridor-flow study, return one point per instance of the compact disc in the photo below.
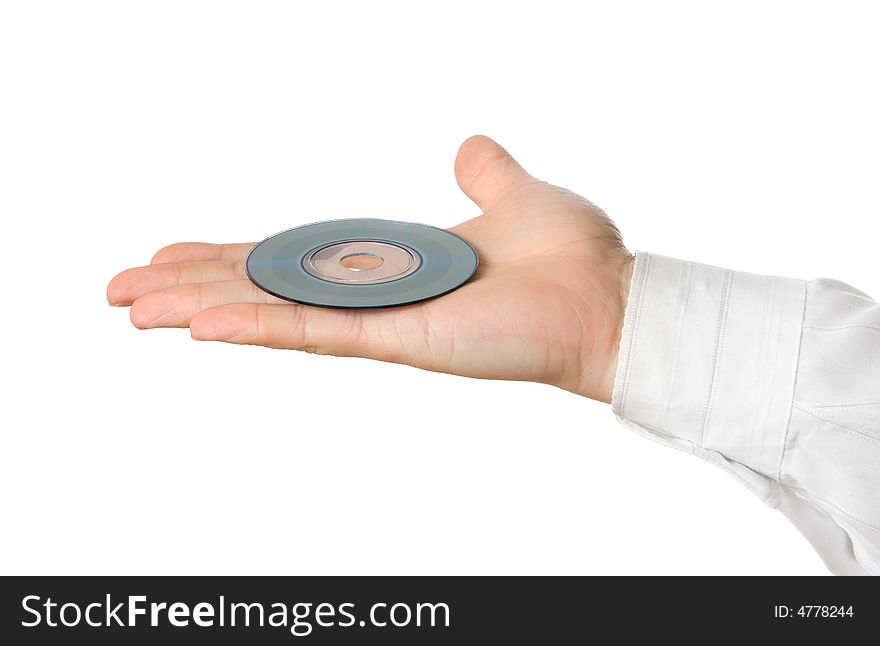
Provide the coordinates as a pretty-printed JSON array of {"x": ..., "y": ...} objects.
[{"x": 361, "y": 263}]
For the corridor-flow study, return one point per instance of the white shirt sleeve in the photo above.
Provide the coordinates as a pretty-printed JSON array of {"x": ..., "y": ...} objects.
[{"x": 775, "y": 380}]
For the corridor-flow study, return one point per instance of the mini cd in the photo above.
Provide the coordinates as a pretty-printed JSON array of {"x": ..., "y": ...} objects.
[{"x": 361, "y": 263}]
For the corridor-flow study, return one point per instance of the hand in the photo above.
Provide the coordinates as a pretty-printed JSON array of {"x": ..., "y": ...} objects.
[{"x": 545, "y": 305}]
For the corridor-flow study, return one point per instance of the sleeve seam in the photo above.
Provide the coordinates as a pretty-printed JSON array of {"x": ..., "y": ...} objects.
[
  {"x": 794, "y": 385},
  {"x": 720, "y": 326}
]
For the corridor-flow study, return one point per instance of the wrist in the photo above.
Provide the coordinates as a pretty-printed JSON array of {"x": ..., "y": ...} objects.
[
  {"x": 626, "y": 274},
  {"x": 599, "y": 372}
]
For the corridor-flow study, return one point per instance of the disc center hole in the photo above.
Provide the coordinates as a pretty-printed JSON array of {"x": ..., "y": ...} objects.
[{"x": 361, "y": 260}]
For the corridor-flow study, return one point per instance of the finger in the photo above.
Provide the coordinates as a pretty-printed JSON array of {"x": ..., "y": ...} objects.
[
  {"x": 201, "y": 251},
  {"x": 385, "y": 335},
  {"x": 134, "y": 283},
  {"x": 176, "y": 306},
  {"x": 485, "y": 171}
]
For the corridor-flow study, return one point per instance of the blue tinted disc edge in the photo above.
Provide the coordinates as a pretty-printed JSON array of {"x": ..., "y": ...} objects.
[{"x": 301, "y": 301}]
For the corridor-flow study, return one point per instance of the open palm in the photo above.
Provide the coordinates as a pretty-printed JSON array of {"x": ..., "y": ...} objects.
[{"x": 545, "y": 305}]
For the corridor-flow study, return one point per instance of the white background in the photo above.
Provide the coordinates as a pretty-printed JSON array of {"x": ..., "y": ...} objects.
[{"x": 744, "y": 136}]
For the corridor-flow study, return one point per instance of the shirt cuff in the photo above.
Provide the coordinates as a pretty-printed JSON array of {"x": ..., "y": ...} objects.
[{"x": 707, "y": 362}]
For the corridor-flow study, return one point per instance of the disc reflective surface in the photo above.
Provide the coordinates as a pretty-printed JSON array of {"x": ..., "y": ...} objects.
[{"x": 361, "y": 263}]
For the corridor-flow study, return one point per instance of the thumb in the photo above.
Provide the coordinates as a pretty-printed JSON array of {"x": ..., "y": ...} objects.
[{"x": 485, "y": 171}]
